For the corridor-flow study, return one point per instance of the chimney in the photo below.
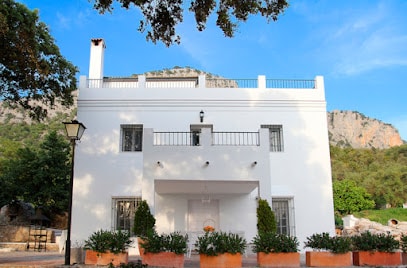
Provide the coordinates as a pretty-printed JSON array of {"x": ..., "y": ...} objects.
[{"x": 97, "y": 51}]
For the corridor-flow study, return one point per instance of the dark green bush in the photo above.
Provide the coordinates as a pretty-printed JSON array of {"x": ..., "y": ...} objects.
[
  {"x": 266, "y": 221},
  {"x": 273, "y": 242},
  {"x": 144, "y": 221},
  {"x": 335, "y": 244},
  {"x": 214, "y": 243},
  {"x": 367, "y": 241},
  {"x": 174, "y": 242},
  {"x": 113, "y": 241}
]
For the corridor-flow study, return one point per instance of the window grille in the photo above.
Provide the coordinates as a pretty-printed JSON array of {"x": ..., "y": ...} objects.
[
  {"x": 276, "y": 137},
  {"x": 284, "y": 212},
  {"x": 123, "y": 209},
  {"x": 132, "y": 138}
]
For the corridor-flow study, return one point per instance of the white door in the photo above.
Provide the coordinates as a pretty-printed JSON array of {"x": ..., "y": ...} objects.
[{"x": 201, "y": 214}]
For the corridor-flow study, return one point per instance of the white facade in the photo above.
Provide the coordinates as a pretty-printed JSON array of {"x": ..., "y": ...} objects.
[{"x": 215, "y": 180}]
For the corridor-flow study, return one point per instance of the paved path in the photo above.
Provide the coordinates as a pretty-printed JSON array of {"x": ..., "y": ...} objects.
[{"x": 50, "y": 259}]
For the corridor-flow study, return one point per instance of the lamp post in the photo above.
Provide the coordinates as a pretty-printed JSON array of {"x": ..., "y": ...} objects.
[{"x": 74, "y": 131}]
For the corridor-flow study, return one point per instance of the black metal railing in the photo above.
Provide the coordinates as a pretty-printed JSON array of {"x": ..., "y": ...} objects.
[
  {"x": 236, "y": 138},
  {"x": 178, "y": 138},
  {"x": 290, "y": 83},
  {"x": 193, "y": 82}
]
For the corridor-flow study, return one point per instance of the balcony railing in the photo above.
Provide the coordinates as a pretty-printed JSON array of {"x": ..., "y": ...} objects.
[
  {"x": 253, "y": 83},
  {"x": 290, "y": 83},
  {"x": 194, "y": 82},
  {"x": 218, "y": 139},
  {"x": 236, "y": 138},
  {"x": 173, "y": 139}
]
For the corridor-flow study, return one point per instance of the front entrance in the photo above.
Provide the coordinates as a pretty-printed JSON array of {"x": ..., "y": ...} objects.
[{"x": 202, "y": 213}]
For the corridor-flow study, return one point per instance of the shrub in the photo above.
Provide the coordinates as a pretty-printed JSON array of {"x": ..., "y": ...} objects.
[
  {"x": 367, "y": 241},
  {"x": 403, "y": 243},
  {"x": 272, "y": 242},
  {"x": 214, "y": 243},
  {"x": 266, "y": 221},
  {"x": 335, "y": 244},
  {"x": 174, "y": 242},
  {"x": 144, "y": 221},
  {"x": 114, "y": 241}
]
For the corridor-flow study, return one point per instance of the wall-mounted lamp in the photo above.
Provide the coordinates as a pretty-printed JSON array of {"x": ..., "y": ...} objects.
[
  {"x": 254, "y": 163},
  {"x": 201, "y": 115},
  {"x": 160, "y": 164},
  {"x": 207, "y": 163}
]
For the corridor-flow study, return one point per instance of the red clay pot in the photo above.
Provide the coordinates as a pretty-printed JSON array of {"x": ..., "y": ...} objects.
[
  {"x": 96, "y": 258},
  {"x": 327, "y": 259},
  {"x": 287, "y": 259},
  {"x": 226, "y": 260},
  {"x": 163, "y": 259},
  {"x": 376, "y": 258}
]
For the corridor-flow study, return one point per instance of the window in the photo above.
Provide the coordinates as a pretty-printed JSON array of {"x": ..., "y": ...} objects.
[
  {"x": 276, "y": 137},
  {"x": 284, "y": 211},
  {"x": 123, "y": 209},
  {"x": 132, "y": 138}
]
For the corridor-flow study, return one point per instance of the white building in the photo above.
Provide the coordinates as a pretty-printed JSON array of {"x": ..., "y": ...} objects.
[{"x": 201, "y": 155}]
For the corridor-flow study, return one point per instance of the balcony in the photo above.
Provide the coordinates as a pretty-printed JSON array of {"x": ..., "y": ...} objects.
[
  {"x": 217, "y": 138},
  {"x": 197, "y": 82}
]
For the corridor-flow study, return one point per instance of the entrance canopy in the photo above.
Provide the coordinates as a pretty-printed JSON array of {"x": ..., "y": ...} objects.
[{"x": 200, "y": 186}]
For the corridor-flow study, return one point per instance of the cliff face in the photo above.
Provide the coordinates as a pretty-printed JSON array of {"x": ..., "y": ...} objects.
[{"x": 353, "y": 129}]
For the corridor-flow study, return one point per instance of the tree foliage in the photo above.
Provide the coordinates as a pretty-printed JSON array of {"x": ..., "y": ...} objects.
[
  {"x": 382, "y": 173},
  {"x": 33, "y": 73},
  {"x": 349, "y": 198},
  {"x": 160, "y": 18},
  {"x": 38, "y": 175},
  {"x": 144, "y": 221},
  {"x": 266, "y": 221}
]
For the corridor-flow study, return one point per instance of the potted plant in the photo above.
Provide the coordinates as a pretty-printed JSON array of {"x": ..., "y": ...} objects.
[
  {"x": 164, "y": 250},
  {"x": 276, "y": 250},
  {"x": 403, "y": 245},
  {"x": 144, "y": 223},
  {"x": 328, "y": 250},
  {"x": 104, "y": 247},
  {"x": 220, "y": 249},
  {"x": 375, "y": 249}
]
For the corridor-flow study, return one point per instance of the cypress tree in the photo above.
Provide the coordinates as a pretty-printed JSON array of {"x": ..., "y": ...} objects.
[{"x": 266, "y": 221}]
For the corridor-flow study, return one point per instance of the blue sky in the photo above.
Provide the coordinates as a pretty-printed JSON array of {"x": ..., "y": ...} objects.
[{"x": 360, "y": 47}]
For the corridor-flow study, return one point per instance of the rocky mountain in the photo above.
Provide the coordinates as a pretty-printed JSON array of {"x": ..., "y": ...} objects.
[{"x": 354, "y": 129}]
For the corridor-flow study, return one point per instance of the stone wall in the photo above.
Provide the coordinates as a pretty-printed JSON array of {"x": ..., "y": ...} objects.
[
  {"x": 9, "y": 233},
  {"x": 354, "y": 226}
]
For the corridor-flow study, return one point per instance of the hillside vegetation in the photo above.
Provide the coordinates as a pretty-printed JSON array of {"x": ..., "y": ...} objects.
[{"x": 383, "y": 173}]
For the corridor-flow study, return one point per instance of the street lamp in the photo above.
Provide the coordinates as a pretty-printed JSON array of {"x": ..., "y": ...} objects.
[{"x": 74, "y": 131}]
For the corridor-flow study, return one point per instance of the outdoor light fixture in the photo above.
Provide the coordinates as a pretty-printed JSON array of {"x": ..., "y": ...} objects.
[
  {"x": 74, "y": 131},
  {"x": 207, "y": 163},
  {"x": 201, "y": 115},
  {"x": 254, "y": 163},
  {"x": 160, "y": 164}
]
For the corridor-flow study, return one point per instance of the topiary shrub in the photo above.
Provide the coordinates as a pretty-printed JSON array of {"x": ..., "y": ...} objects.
[
  {"x": 144, "y": 221},
  {"x": 266, "y": 221}
]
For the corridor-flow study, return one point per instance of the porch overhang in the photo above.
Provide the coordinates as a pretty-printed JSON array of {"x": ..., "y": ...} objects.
[{"x": 200, "y": 187}]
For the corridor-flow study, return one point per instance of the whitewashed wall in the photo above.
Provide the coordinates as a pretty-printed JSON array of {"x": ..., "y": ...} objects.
[{"x": 302, "y": 171}]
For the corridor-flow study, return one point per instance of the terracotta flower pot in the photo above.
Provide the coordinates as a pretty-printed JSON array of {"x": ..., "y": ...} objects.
[
  {"x": 376, "y": 258},
  {"x": 326, "y": 259},
  {"x": 403, "y": 258},
  {"x": 286, "y": 259},
  {"x": 163, "y": 259},
  {"x": 226, "y": 260},
  {"x": 96, "y": 258}
]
